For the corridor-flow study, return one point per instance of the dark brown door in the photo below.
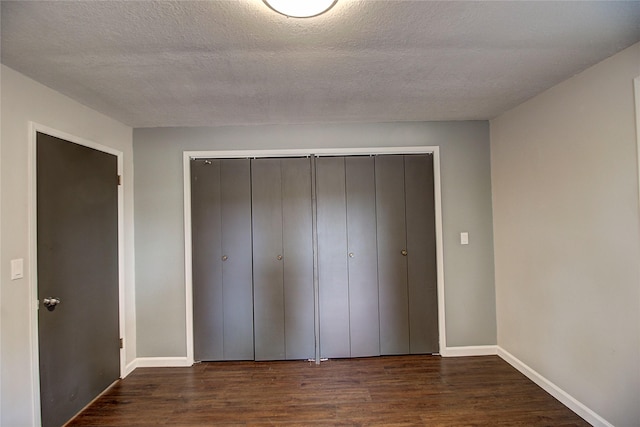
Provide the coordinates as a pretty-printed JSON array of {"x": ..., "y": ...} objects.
[{"x": 77, "y": 217}]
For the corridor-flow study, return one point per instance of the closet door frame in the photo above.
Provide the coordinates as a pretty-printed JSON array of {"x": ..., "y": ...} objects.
[{"x": 308, "y": 152}]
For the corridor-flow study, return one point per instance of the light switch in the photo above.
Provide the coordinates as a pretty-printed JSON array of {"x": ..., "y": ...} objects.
[
  {"x": 17, "y": 269},
  {"x": 464, "y": 238}
]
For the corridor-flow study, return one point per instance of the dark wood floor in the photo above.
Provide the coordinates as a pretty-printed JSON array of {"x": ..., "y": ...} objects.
[{"x": 389, "y": 391}]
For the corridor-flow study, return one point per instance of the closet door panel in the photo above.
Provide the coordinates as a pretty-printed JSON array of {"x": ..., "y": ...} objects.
[
  {"x": 392, "y": 264},
  {"x": 235, "y": 202},
  {"x": 268, "y": 260},
  {"x": 298, "y": 259},
  {"x": 222, "y": 280},
  {"x": 206, "y": 218},
  {"x": 253, "y": 257},
  {"x": 362, "y": 257},
  {"x": 332, "y": 257},
  {"x": 421, "y": 247}
]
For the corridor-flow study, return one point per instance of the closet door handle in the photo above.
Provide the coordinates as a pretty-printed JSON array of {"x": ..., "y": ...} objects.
[
  {"x": 404, "y": 252},
  {"x": 224, "y": 257},
  {"x": 351, "y": 255},
  {"x": 279, "y": 257}
]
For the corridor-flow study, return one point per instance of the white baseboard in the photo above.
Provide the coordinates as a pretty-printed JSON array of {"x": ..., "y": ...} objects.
[
  {"x": 565, "y": 398},
  {"x": 162, "y": 362},
  {"x": 130, "y": 368},
  {"x": 472, "y": 350}
]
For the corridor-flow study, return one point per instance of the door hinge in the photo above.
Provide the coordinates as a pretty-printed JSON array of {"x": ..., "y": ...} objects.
[
  {"x": 121, "y": 342},
  {"x": 119, "y": 179}
]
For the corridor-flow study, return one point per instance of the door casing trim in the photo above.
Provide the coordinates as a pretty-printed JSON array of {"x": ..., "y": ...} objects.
[
  {"x": 34, "y": 128},
  {"x": 636, "y": 93},
  {"x": 228, "y": 154}
]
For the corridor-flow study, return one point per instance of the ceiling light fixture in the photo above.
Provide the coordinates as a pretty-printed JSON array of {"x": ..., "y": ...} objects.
[{"x": 300, "y": 8}]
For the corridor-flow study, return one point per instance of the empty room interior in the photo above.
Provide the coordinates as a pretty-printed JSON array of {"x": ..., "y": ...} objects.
[{"x": 363, "y": 213}]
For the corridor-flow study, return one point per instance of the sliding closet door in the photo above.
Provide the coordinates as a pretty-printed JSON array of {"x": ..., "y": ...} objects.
[
  {"x": 421, "y": 249},
  {"x": 283, "y": 259},
  {"x": 253, "y": 257},
  {"x": 406, "y": 254},
  {"x": 222, "y": 278},
  {"x": 268, "y": 292},
  {"x": 333, "y": 273},
  {"x": 297, "y": 237},
  {"x": 362, "y": 256},
  {"x": 347, "y": 257},
  {"x": 392, "y": 255}
]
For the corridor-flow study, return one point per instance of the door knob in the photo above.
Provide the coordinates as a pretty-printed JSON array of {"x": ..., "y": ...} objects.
[
  {"x": 404, "y": 252},
  {"x": 51, "y": 302},
  {"x": 351, "y": 254},
  {"x": 279, "y": 257},
  {"x": 224, "y": 257}
]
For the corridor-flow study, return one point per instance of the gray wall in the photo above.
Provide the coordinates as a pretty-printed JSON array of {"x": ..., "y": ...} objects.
[
  {"x": 565, "y": 191},
  {"x": 466, "y": 203}
]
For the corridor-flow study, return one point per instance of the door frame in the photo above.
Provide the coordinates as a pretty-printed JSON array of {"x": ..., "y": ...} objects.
[
  {"x": 34, "y": 129},
  {"x": 636, "y": 93},
  {"x": 187, "y": 156}
]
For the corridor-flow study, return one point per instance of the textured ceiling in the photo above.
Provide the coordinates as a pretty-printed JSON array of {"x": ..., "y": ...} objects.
[{"x": 207, "y": 63}]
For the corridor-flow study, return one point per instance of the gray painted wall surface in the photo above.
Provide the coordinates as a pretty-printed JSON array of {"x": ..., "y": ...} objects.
[
  {"x": 565, "y": 191},
  {"x": 466, "y": 204}
]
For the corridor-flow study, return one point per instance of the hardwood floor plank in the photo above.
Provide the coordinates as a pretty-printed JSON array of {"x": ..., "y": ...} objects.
[{"x": 389, "y": 391}]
